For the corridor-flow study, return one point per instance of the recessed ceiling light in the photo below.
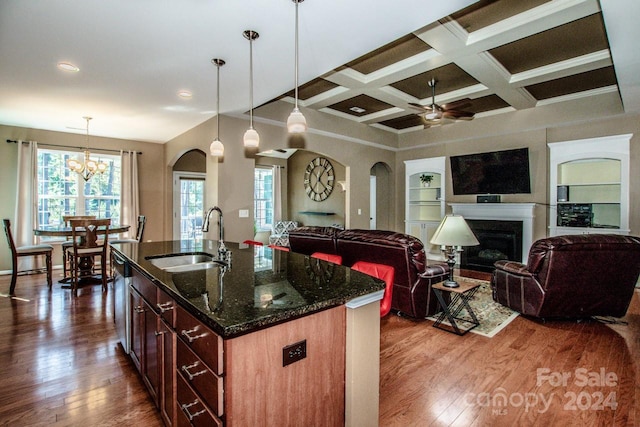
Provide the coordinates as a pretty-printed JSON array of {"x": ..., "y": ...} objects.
[
  {"x": 68, "y": 66},
  {"x": 357, "y": 110},
  {"x": 184, "y": 94}
]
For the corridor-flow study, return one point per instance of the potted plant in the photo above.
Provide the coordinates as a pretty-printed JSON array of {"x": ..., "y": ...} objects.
[{"x": 426, "y": 179}]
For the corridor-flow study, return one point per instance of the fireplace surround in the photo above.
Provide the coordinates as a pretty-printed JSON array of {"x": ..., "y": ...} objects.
[{"x": 512, "y": 215}]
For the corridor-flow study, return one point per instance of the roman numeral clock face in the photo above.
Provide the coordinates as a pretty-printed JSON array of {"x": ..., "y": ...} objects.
[{"x": 319, "y": 179}]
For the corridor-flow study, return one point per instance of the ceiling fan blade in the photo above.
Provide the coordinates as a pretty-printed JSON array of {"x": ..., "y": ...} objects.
[
  {"x": 420, "y": 107},
  {"x": 457, "y": 114},
  {"x": 457, "y": 105}
]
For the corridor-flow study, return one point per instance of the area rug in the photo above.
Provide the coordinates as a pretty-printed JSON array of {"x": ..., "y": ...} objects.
[{"x": 493, "y": 317}]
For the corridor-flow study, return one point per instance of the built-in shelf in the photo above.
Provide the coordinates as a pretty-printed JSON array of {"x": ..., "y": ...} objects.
[
  {"x": 589, "y": 186},
  {"x": 317, "y": 213},
  {"x": 424, "y": 205}
]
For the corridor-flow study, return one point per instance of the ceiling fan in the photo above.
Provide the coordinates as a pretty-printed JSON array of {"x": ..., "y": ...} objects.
[{"x": 433, "y": 114}]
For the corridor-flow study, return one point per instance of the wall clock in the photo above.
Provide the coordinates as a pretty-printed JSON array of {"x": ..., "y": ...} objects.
[{"x": 319, "y": 179}]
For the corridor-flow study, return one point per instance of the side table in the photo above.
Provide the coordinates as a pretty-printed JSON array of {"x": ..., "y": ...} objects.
[{"x": 460, "y": 297}]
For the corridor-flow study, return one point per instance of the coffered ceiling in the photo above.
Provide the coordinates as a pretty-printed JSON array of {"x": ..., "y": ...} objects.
[
  {"x": 500, "y": 55},
  {"x": 363, "y": 60}
]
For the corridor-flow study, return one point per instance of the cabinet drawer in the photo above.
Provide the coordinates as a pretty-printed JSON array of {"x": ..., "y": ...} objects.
[
  {"x": 191, "y": 410},
  {"x": 205, "y": 343},
  {"x": 145, "y": 287},
  {"x": 166, "y": 307},
  {"x": 208, "y": 385}
]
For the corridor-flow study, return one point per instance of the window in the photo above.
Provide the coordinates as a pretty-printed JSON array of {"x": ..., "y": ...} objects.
[
  {"x": 263, "y": 199},
  {"x": 63, "y": 192}
]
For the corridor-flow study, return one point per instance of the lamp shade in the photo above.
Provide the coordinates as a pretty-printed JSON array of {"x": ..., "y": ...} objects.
[
  {"x": 251, "y": 138},
  {"x": 454, "y": 231},
  {"x": 296, "y": 123},
  {"x": 216, "y": 148}
]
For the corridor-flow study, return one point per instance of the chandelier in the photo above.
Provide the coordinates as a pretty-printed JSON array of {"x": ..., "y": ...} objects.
[{"x": 86, "y": 167}]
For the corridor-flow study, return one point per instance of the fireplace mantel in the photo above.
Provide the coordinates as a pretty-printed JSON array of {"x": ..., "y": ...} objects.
[{"x": 502, "y": 212}]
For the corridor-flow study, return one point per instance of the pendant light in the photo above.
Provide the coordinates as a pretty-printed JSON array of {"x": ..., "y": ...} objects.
[
  {"x": 216, "y": 148},
  {"x": 296, "y": 123},
  {"x": 251, "y": 137},
  {"x": 87, "y": 167}
]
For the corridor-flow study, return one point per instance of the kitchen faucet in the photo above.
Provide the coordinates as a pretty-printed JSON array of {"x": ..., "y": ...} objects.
[{"x": 222, "y": 250}]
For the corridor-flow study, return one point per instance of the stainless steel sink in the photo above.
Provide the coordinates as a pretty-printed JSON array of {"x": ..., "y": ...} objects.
[{"x": 176, "y": 263}]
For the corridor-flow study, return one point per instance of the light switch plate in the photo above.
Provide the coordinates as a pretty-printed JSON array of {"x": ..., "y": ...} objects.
[{"x": 243, "y": 213}]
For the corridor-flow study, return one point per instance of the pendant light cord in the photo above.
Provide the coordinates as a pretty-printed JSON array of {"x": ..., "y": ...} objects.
[
  {"x": 251, "y": 79},
  {"x": 218, "y": 102},
  {"x": 296, "y": 67}
]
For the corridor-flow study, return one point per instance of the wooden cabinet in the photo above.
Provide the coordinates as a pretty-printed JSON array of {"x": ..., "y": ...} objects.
[
  {"x": 266, "y": 377},
  {"x": 424, "y": 201},
  {"x": 153, "y": 343},
  {"x": 168, "y": 348},
  {"x": 199, "y": 370},
  {"x": 589, "y": 186}
]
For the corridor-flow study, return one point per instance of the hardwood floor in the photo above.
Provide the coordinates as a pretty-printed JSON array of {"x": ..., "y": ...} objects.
[
  {"x": 432, "y": 377},
  {"x": 60, "y": 365}
]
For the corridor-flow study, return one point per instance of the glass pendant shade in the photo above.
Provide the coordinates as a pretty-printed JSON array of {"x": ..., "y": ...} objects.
[
  {"x": 251, "y": 138},
  {"x": 216, "y": 148},
  {"x": 296, "y": 123}
]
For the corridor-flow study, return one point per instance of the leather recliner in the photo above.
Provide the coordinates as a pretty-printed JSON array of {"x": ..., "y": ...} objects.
[
  {"x": 412, "y": 294},
  {"x": 574, "y": 276}
]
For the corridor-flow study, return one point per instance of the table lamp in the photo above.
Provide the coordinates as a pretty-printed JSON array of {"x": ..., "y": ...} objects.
[{"x": 453, "y": 233}]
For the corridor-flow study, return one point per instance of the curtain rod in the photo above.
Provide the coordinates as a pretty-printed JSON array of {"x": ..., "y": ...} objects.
[{"x": 110, "y": 150}]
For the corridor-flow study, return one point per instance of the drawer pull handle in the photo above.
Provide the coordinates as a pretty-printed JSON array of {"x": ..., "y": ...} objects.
[
  {"x": 191, "y": 376},
  {"x": 139, "y": 309},
  {"x": 167, "y": 306},
  {"x": 190, "y": 337},
  {"x": 185, "y": 408}
]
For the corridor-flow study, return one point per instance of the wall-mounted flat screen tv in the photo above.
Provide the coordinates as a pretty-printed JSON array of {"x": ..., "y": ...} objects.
[{"x": 497, "y": 172}]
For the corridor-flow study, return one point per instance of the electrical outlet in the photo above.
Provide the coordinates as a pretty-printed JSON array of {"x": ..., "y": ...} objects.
[{"x": 293, "y": 352}]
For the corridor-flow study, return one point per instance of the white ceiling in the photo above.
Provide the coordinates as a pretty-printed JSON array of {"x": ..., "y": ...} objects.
[{"x": 135, "y": 55}]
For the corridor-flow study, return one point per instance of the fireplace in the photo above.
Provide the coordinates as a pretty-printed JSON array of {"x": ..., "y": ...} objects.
[
  {"x": 498, "y": 240},
  {"x": 522, "y": 213}
]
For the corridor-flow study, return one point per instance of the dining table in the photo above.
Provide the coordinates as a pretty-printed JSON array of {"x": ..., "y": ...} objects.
[{"x": 65, "y": 231}]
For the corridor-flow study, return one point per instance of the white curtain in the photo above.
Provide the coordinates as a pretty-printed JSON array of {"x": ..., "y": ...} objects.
[
  {"x": 129, "y": 192},
  {"x": 25, "y": 219},
  {"x": 277, "y": 193}
]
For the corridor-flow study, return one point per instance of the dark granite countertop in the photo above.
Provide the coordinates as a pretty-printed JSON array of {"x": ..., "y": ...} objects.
[{"x": 262, "y": 287}]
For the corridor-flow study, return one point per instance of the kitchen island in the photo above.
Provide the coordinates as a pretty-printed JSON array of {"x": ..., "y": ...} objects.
[{"x": 264, "y": 337}]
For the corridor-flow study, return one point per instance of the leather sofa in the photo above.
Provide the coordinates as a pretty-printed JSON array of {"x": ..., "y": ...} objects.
[
  {"x": 412, "y": 294},
  {"x": 574, "y": 276}
]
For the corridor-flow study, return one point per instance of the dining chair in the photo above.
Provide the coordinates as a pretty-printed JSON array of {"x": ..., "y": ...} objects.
[
  {"x": 86, "y": 248},
  {"x": 142, "y": 220},
  {"x": 68, "y": 244},
  {"x": 23, "y": 251}
]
